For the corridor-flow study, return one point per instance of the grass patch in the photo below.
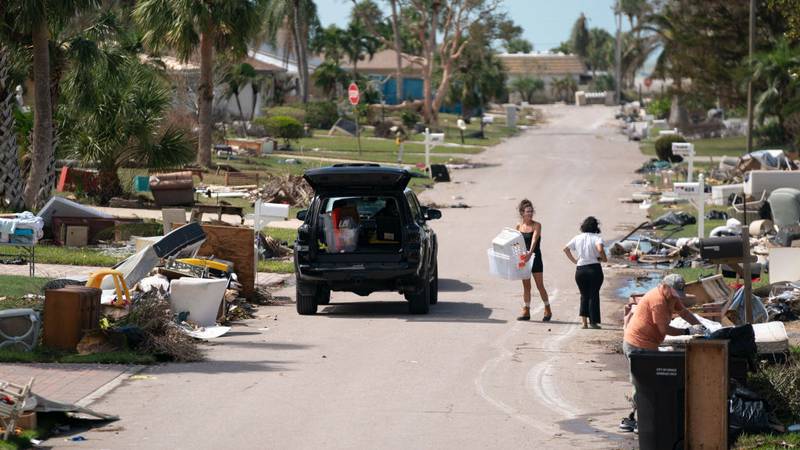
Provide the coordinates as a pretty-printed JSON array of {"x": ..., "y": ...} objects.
[
  {"x": 728, "y": 146},
  {"x": 693, "y": 274},
  {"x": 376, "y": 145},
  {"x": 18, "y": 286},
  {"x": 276, "y": 265},
  {"x": 767, "y": 441},
  {"x": 43, "y": 355},
  {"x": 369, "y": 155},
  {"x": 74, "y": 256},
  {"x": 288, "y": 235}
]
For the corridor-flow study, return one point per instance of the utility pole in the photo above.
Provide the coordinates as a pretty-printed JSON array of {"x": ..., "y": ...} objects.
[
  {"x": 750, "y": 82},
  {"x": 618, "y": 55}
]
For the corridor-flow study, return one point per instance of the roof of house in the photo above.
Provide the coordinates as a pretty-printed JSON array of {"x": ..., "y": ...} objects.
[
  {"x": 173, "y": 64},
  {"x": 384, "y": 62},
  {"x": 542, "y": 64},
  {"x": 263, "y": 66}
]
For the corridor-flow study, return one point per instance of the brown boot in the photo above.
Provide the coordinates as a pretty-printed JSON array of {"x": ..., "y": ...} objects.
[
  {"x": 526, "y": 313},
  {"x": 548, "y": 313}
]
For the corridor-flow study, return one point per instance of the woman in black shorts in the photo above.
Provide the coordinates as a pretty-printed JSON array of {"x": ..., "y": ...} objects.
[{"x": 532, "y": 232}]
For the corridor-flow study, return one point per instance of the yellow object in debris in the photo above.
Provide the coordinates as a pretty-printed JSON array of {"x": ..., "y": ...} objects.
[
  {"x": 207, "y": 263},
  {"x": 96, "y": 281}
]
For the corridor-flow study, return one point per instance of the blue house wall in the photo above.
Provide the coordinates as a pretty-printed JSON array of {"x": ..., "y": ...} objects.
[{"x": 412, "y": 90}]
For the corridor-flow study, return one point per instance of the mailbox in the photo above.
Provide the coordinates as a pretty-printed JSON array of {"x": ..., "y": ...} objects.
[{"x": 721, "y": 248}]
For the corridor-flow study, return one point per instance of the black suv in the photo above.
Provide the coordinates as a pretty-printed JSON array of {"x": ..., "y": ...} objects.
[{"x": 365, "y": 231}]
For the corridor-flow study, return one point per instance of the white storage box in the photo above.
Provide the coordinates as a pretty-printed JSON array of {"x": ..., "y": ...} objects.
[
  {"x": 759, "y": 181},
  {"x": 720, "y": 194},
  {"x": 505, "y": 256},
  {"x": 200, "y": 297},
  {"x": 509, "y": 267},
  {"x": 343, "y": 240}
]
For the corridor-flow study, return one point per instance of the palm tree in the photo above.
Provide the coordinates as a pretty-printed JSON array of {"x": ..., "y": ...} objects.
[
  {"x": 357, "y": 43},
  {"x": 527, "y": 87},
  {"x": 31, "y": 21},
  {"x": 299, "y": 18},
  {"x": 328, "y": 77},
  {"x": 330, "y": 42},
  {"x": 777, "y": 70},
  {"x": 10, "y": 177},
  {"x": 186, "y": 26},
  {"x": 125, "y": 125},
  {"x": 236, "y": 77}
]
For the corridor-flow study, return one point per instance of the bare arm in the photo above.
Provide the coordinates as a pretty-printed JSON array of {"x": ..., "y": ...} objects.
[
  {"x": 602, "y": 251},
  {"x": 569, "y": 255},
  {"x": 537, "y": 231},
  {"x": 687, "y": 315}
]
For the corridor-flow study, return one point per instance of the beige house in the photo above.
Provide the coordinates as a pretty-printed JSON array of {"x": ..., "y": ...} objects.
[{"x": 545, "y": 66}]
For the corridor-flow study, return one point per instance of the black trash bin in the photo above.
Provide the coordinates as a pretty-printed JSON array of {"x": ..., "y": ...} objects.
[{"x": 659, "y": 381}]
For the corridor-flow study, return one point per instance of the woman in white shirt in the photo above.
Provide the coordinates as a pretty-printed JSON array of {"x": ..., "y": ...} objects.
[{"x": 586, "y": 251}]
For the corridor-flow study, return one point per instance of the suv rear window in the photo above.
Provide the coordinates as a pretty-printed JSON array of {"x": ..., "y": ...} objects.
[{"x": 360, "y": 224}]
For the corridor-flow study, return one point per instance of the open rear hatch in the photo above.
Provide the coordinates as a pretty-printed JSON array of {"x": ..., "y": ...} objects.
[{"x": 357, "y": 178}]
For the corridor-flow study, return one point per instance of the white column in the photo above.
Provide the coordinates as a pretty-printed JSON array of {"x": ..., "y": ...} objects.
[{"x": 701, "y": 204}]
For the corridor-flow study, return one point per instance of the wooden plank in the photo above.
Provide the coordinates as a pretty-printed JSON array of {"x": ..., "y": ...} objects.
[
  {"x": 706, "y": 395},
  {"x": 234, "y": 244}
]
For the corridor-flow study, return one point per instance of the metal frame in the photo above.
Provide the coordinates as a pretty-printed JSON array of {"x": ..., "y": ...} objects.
[{"x": 29, "y": 250}]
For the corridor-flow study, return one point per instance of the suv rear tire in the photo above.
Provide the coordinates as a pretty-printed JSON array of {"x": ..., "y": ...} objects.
[
  {"x": 323, "y": 295},
  {"x": 419, "y": 301},
  {"x": 306, "y": 304},
  {"x": 434, "y": 294}
]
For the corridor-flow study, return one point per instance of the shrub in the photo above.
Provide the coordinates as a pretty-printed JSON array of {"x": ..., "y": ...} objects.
[
  {"x": 779, "y": 385},
  {"x": 771, "y": 134},
  {"x": 659, "y": 107},
  {"x": 282, "y": 127},
  {"x": 664, "y": 147},
  {"x": 409, "y": 118},
  {"x": 321, "y": 114},
  {"x": 298, "y": 114}
]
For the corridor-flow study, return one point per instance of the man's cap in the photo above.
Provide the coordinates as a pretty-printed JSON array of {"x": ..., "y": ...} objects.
[{"x": 677, "y": 283}]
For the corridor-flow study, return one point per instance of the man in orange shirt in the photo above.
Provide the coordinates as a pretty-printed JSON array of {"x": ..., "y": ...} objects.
[{"x": 649, "y": 324}]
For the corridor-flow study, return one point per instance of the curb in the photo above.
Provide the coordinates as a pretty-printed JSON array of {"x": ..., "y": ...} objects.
[{"x": 110, "y": 386}]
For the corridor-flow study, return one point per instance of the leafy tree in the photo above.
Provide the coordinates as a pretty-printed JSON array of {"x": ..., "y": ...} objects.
[
  {"x": 330, "y": 42},
  {"x": 189, "y": 26},
  {"x": 790, "y": 11},
  {"x": 564, "y": 47},
  {"x": 600, "y": 51},
  {"x": 579, "y": 37},
  {"x": 519, "y": 45},
  {"x": 563, "y": 88},
  {"x": 126, "y": 123},
  {"x": 527, "y": 87}
]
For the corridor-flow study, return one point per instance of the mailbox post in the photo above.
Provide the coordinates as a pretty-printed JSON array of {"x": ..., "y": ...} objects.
[
  {"x": 685, "y": 150},
  {"x": 696, "y": 193},
  {"x": 430, "y": 140}
]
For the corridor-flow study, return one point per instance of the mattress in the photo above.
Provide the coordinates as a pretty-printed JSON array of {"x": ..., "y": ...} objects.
[{"x": 771, "y": 337}]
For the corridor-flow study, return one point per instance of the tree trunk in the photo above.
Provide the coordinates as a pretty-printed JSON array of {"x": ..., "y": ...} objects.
[
  {"x": 302, "y": 66},
  {"x": 678, "y": 116},
  {"x": 10, "y": 175},
  {"x": 441, "y": 91},
  {"x": 398, "y": 48},
  {"x": 205, "y": 98},
  {"x": 241, "y": 114},
  {"x": 42, "y": 114}
]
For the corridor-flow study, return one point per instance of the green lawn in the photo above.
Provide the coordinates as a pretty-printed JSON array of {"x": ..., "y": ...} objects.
[
  {"x": 51, "y": 254},
  {"x": 767, "y": 441},
  {"x": 350, "y": 144},
  {"x": 693, "y": 274},
  {"x": 730, "y": 146},
  {"x": 688, "y": 230},
  {"x": 17, "y": 286}
]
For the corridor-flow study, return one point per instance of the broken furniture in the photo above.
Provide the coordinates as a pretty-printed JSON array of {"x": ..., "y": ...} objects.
[
  {"x": 199, "y": 209},
  {"x": 12, "y": 404},
  {"x": 19, "y": 329},
  {"x": 122, "y": 294},
  {"x": 200, "y": 297},
  {"x": 80, "y": 231},
  {"x": 241, "y": 178},
  {"x": 172, "y": 189},
  {"x": 68, "y": 314},
  {"x": 759, "y": 182},
  {"x": 234, "y": 244},
  {"x": 253, "y": 146},
  {"x": 706, "y": 398},
  {"x": 173, "y": 218}
]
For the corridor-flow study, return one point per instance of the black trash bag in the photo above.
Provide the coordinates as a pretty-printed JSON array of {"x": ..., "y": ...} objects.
[
  {"x": 674, "y": 218},
  {"x": 747, "y": 412},
  {"x": 716, "y": 215},
  {"x": 741, "y": 341}
]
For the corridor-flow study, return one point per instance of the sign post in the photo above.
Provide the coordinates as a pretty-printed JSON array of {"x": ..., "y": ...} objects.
[
  {"x": 430, "y": 140},
  {"x": 354, "y": 96},
  {"x": 696, "y": 194},
  {"x": 686, "y": 150}
]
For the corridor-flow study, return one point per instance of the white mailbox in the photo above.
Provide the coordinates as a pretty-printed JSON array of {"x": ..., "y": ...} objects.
[
  {"x": 684, "y": 149},
  {"x": 687, "y": 189}
]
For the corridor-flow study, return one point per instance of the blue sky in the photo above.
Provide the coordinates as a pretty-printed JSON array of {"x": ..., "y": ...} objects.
[{"x": 546, "y": 22}]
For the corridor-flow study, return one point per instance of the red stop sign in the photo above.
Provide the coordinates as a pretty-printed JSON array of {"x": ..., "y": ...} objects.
[{"x": 352, "y": 94}]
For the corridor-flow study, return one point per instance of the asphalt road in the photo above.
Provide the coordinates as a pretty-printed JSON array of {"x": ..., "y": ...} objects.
[{"x": 364, "y": 374}]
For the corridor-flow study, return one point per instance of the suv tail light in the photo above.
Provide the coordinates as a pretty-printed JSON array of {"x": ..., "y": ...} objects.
[{"x": 412, "y": 244}]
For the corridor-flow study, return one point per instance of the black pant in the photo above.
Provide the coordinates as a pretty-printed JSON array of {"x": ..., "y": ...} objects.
[{"x": 590, "y": 279}]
